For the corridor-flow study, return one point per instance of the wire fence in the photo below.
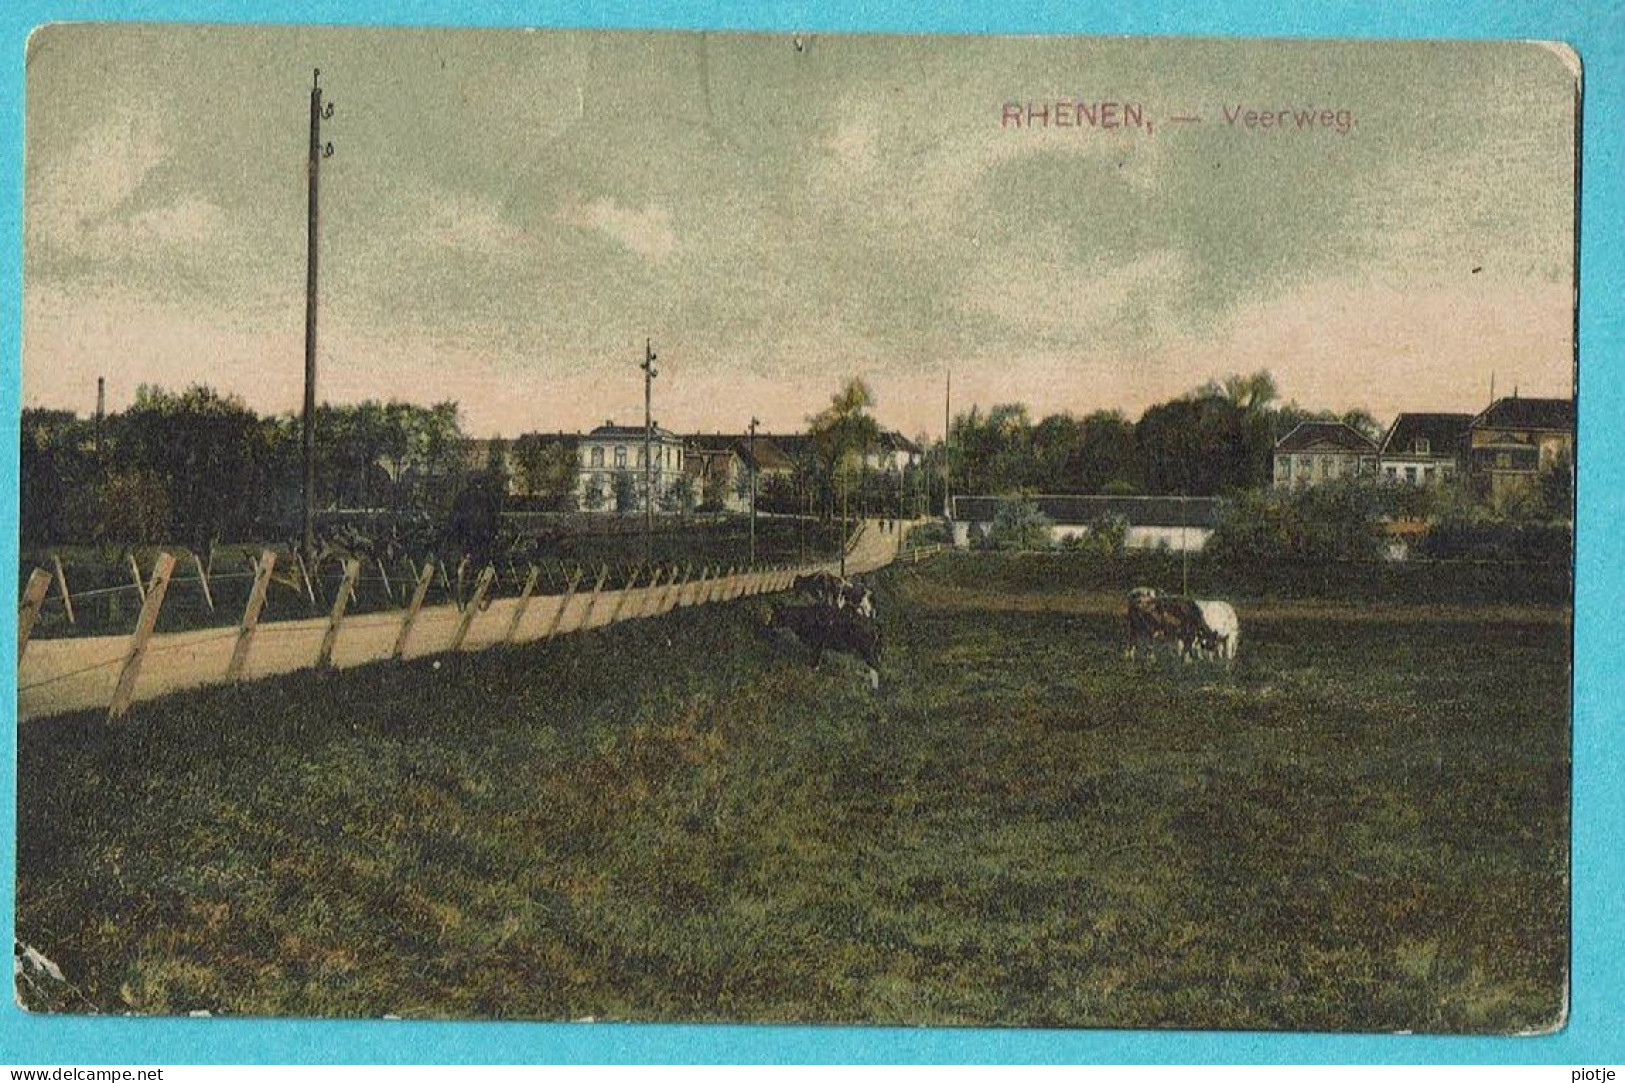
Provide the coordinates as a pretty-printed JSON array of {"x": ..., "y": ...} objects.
[{"x": 291, "y": 618}]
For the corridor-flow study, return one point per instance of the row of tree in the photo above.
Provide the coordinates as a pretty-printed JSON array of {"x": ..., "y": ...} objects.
[
  {"x": 1216, "y": 439},
  {"x": 197, "y": 465}
]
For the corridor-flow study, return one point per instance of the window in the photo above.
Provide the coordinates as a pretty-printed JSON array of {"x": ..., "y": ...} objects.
[
  {"x": 620, "y": 458},
  {"x": 1428, "y": 474},
  {"x": 1393, "y": 471},
  {"x": 1306, "y": 462},
  {"x": 1410, "y": 474},
  {"x": 1503, "y": 460},
  {"x": 1421, "y": 446},
  {"x": 598, "y": 456}
]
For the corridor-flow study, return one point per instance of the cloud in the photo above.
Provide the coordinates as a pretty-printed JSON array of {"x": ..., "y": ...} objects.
[
  {"x": 646, "y": 232},
  {"x": 191, "y": 221},
  {"x": 466, "y": 223},
  {"x": 74, "y": 195}
]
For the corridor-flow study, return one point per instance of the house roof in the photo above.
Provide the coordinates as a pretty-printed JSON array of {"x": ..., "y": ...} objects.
[
  {"x": 1444, "y": 433},
  {"x": 1166, "y": 511},
  {"x": 765, "y": 449},
  {"x": 1551, "y": 415},
  {"x": 893, "y": 440},
  {"x": 1309, "y": 435},
  {"x": 611, "y": 431}
]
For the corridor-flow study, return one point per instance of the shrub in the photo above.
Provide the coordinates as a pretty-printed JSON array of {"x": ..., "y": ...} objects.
[
  {"x": 1019, "y": 525},
  {"x": 1339, "y": 521}
]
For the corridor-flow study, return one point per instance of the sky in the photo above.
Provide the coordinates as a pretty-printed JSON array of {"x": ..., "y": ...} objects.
[{"x": 508, "y": 215}]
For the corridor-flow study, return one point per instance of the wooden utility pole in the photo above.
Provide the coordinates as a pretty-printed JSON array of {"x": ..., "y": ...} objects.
[
  {"x": 947, "y": 430},
  {"x": 753, "y": 424},
  {"x": 101, "y": 413},
  {"x": 649, "y": 375},
  {"x": 318, "y": 151}
]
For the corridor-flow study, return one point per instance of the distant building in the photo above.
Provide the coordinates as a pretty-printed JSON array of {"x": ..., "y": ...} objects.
[
  {"x": 1315, "y": 452},
  {"x": 612, "y": 462},
  {"x": 893, "y": 451},
  {"x": 719, "y": 472},
  {"x": 1425, "y": 449},
  {"x": 1515, "y": 440},
  {"x": 1180, "y": 524}
]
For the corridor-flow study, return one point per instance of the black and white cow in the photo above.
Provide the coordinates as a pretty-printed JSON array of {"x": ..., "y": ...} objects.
[
  {"x": 1193, "y": 627},
  {"x": 839, "y": 619}
]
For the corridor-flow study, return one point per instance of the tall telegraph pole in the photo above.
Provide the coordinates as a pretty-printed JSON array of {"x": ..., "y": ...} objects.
[
  {"x": 753, "y": 424},
  {"x": 649, "y": 375},
  {"x": 947, "y": 430},
  {"x": 318, "y": 151}
]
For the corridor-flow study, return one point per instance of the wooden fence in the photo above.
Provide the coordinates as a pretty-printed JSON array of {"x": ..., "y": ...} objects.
[{"x": 58, "y": 676}]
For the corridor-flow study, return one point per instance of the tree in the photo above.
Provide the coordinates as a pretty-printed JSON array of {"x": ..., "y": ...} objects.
[
  {"x": 57, "y": 475},
  {"x": 626, "y": 492},
  {"x": 680, "y": 496},
  {"x": 1555, "y": 489},
  {"x": 211, "y": 453},
  {"x": 841, "y": 435}
]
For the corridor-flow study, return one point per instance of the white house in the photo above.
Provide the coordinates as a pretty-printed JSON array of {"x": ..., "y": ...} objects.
[
  {"x": 1315, "y": 452},
  {"x": 614, "y": 451}
]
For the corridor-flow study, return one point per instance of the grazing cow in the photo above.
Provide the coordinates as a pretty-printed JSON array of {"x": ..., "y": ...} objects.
[
  {"x": 823, "y": 627},
  {"x": 820, "y": 587},
  {"x": 860, "y": 599},
  {"x": 1154, "y": 617},
  {"x": 831, "y": 590},
  {"x": 1220, "y": 634}
]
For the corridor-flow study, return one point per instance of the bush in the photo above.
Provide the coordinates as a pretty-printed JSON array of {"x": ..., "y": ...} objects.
[
  {"x": 936, "y": 532},
  {"x": 1106, "y": 537},
  {"x": 1339, "y": 521},
  {"x": 1019, "y": 525},
  {"x": 1539, "y": 543}
]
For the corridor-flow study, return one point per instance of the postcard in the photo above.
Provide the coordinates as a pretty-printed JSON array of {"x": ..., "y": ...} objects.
[{"x": 713, "y": 527}]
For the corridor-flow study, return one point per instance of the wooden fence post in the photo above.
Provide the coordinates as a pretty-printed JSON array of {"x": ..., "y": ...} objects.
[
  {"x": 383, "y": 573},
  {"x": 462, "y": 567},
  {"x": 655, "y": 595},
  {"x": 203, "y": 577},
  {"x": 425, "y": 577},
  {"x": 341, "y": 602},
  {"x": 597, "y": 588},
  {"x": 251, "y": 614},
  {"x": 62, "y": 585},
  {"x": 724, "y": 588},
  {"x": 39, "y": 581},
  {"x": 693, "y": 596},
  {"x": 135, "y": 573},
  {"x": 524, "y": 603},
  {"x": 475, "y": 600},
  {"x": 304, "y": 573},
  {"x": 674, "y": 589},
  {"x": 569, "y": 593},
  {"x": 124, "y": 691},
  {"x": 625, "y": 593}
]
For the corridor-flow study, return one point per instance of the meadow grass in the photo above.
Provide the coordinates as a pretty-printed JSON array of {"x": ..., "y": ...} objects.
[{"x": 1364, "y": 826}]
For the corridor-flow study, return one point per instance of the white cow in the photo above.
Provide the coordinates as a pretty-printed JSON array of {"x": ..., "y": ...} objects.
[{"x": 1222, "y": 632}]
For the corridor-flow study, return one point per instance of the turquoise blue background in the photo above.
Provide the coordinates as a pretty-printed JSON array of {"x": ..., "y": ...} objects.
[{"x": 1598, "y": 1015}]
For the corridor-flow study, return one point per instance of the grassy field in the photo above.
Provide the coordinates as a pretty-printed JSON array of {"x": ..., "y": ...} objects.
[{"x": 1363, "y": 827}]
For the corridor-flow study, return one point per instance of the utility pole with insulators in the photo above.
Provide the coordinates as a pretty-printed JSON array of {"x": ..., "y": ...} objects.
[
  {"x": 649, "y": 375},
  {"x": 753, "y": 424},
  {"x": 318, "y": 151}
]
